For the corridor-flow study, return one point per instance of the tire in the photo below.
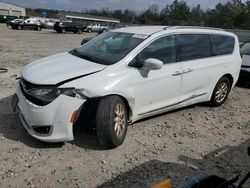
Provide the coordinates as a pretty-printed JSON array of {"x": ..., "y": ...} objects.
[
  {"x": 38, "y": 28},
  {"x": 19, "y": 27},
  {"x": 220, "y": 92},
  {"x": 79, "y": 31},
  {"x": 111, "y": 121}
]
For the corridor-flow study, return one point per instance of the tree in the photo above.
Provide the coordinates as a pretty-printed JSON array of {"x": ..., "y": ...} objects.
[
  {"x": 150, "y": 16},
  {"x": 177, "y": 13},
  {"x": 197, "y": 16},
  {"x": 226, "y": 15}
]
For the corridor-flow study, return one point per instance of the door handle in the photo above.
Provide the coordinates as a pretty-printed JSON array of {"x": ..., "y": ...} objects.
[
  {"x": 187, "y": 71},
  {"x": 176, "y": 73}
]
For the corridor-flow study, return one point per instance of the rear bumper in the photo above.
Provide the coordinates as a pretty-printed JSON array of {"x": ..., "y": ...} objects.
[{"x": 56, "y": 115}]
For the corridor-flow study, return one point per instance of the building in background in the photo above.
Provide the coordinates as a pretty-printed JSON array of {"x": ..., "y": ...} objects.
[
  {"x": 83, "y": 19},
  {"x": 7, "y": 9}
]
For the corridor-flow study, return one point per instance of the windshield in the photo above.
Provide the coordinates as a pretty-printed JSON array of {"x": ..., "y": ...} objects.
[{"x": 108, "y": 48}]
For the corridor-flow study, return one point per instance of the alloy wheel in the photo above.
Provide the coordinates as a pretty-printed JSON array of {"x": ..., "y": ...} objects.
[
  {"x": 221, "y": 92},
  {"x": 119, "y": 120}
]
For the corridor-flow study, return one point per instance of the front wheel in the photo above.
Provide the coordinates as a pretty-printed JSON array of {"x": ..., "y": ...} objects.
[
  {"x": 111, "y": 121},
  {"x": 220, "y": 92}
]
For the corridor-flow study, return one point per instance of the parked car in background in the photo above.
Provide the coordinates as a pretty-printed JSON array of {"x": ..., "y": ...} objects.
[
  {"x": 123, "y": 76},
  {"x": 104, "y": 30},
  {"x": 96, "y": 28},
  {"x": 87, "y": 39},
  {"x": 29, "y": 24},
  {"x": 63, "y": 27},
  {"x": 50, "y": 24},
  {"x": 13, "y": 23},
  {"x": 245, "y": 67}
]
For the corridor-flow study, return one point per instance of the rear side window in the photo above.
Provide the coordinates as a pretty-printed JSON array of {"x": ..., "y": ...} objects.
[
  {"x": 222, "y": 45},
  {"x": 193, "y": 46}
]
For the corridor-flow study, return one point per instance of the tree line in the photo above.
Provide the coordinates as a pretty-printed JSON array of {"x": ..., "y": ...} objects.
[{"x": 229, "y": 15}]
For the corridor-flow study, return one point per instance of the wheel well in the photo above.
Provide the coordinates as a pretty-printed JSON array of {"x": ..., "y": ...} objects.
[
  {"x": 230, "y": 77},
  {"x": 129, "y": 110},
  {"x": 88, "y": 109}
]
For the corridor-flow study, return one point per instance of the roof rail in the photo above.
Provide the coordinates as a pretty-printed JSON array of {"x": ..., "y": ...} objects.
[{"x": 192, "y": 27}]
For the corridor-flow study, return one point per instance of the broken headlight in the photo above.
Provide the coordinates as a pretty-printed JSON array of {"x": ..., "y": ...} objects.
[{"x": 50, "y": 94}]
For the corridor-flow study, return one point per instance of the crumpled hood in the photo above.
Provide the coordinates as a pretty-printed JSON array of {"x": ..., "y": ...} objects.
[{"x": 58, "y": 68}]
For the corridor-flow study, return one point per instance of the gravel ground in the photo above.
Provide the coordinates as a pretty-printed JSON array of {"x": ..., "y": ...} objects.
[{"x": 178, "y": 144}]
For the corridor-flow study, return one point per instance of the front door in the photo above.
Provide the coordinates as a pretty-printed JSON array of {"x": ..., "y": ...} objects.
[{"x": 157, "y": 90}]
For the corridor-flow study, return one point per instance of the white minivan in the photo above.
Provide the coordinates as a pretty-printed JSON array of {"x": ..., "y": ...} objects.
[{"x": 125, "y": 75}]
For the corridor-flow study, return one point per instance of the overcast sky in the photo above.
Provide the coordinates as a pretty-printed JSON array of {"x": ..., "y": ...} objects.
[{"x": 113, "y": 4}]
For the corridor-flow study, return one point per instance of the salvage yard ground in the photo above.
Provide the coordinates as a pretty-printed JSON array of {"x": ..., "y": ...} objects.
[{"x": 178, "y": 144}]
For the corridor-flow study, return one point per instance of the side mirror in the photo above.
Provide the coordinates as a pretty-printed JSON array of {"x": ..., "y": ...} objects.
[{"x": 152, "y": 64}]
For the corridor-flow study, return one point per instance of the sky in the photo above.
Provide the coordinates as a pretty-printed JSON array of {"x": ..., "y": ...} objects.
[{"x": 78, "y": 5}]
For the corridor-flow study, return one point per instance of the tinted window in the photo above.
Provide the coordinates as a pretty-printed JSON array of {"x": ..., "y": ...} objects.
[
  {"x": 193, "y": 47},
  {"x": 245, "y": 48},
  {"x": 222, "y": 45},
  {"x": 163, "y": 49}
]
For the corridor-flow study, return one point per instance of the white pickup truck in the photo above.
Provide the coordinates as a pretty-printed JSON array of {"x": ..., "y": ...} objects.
[{"x": 96, "y": 28}]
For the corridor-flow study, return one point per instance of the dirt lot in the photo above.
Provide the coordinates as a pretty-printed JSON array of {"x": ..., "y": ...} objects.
[{"x": 179, "y": 144}]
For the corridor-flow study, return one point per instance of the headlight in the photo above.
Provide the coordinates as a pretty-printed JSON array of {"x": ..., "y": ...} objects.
[{"x": 50, "y": 94}]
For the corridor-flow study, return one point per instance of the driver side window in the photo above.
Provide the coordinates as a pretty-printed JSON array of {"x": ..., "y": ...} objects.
[{"x": 163, "y": 49}]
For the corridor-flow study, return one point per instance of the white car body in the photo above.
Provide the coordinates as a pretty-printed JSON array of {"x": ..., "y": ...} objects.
[{"x": 173, "y": 86}]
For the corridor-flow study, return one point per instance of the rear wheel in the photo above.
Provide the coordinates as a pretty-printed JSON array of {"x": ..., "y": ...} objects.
[
  {"x": 220, "y": 92},
  {"x": 111, "y": 121}
]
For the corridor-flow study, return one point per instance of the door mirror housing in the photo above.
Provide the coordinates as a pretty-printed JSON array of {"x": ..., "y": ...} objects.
[{"x": 152, "y": 64}]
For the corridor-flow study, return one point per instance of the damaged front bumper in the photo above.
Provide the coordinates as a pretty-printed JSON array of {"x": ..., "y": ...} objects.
[{"x": 50, "y": 123}]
